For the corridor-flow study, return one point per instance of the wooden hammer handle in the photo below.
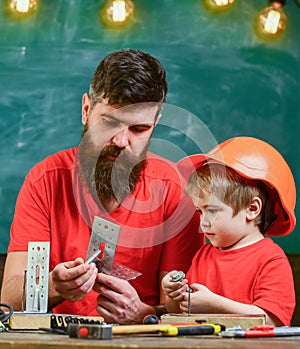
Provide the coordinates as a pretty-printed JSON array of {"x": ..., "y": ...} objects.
[{"x": 131, "y": 329}]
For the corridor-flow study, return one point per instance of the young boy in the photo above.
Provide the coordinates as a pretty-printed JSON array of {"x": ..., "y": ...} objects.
[{"x": 243, "y": 189}]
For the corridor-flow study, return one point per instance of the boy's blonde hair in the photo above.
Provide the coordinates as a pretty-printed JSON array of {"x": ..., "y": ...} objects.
[{"x": 228, "y": 186}]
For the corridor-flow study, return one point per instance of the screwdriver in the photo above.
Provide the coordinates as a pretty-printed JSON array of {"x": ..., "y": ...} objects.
[
  {"x": 179, "y": 276},
  {"x": 191, "y": 330},
  {"x": 93, "y": 257}
]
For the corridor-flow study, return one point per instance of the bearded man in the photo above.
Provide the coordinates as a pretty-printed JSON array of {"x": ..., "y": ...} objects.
[{"x": 110, "y": 175}]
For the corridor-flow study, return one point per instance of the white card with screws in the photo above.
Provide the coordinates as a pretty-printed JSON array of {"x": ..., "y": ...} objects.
[{"x": 37, "y": 277}]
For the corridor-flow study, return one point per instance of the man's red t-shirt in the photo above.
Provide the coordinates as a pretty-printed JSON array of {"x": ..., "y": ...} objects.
[{"x": 159, "y": 227}]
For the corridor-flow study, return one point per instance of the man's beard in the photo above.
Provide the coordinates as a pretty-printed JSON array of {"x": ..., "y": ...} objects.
[{"x": 110, "y": 179}]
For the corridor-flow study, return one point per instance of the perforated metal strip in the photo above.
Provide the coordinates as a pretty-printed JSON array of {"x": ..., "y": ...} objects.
[{"x": 37, "y": 277}]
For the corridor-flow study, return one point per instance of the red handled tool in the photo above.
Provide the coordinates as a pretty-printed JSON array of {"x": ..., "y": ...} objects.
[{"x": 263, "y": 331}]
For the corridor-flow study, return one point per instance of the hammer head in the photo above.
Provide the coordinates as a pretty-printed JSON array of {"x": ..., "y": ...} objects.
[{"x": 90, "y": 331}]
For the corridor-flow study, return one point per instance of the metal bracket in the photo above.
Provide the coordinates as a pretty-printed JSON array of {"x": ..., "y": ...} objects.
[
  {"x": 104, "y": 238},
  {"x": 37, "y": 277}
]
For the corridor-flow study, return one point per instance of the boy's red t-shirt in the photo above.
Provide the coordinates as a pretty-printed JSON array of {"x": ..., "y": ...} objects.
[{"x": 258, "y": 274}]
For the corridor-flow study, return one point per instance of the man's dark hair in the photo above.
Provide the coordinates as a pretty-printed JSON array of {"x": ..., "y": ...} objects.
[{"x": 128, "y": 77}]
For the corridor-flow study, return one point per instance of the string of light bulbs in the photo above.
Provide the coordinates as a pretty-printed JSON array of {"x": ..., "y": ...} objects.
[{"x": 270, "y": 22}]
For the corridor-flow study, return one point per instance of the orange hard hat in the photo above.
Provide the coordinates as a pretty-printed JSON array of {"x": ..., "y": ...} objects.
[{"x": 255, "y": 159}]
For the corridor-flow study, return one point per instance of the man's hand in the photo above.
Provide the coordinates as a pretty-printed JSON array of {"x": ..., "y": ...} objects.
[
  {"x": 118, "y": 301},
  {"x": 73, "y": 280}
]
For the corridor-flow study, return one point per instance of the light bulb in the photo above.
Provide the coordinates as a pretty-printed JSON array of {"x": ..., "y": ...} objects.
[
  {"x": 117, "y": 12},
  {"x": 218, "y": 5},
  {"x": 222, "y": 3},
  {"x": 272, "y": 20},
  {"x": 23, "y": 7}
]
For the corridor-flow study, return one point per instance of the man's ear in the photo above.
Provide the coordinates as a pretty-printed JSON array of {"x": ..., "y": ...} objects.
[
  {"x": 85, "y": 108},
  {"x": 254, "y": 208}
]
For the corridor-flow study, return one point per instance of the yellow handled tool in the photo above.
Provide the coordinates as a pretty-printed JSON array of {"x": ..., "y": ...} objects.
[{"x": 191, "y": 330}]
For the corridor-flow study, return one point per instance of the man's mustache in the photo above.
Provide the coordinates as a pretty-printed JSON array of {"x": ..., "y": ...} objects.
[{"x": 111, "y": 150}]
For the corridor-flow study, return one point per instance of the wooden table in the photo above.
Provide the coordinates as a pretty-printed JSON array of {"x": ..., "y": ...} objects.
[{"x": 30, "y": 340}]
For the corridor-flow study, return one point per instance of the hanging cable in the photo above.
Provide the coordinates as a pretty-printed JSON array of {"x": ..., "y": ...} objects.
[{"x": 4, "y": 316}]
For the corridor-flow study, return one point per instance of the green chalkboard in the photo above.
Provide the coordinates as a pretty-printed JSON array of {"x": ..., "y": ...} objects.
[{"x": 218, "y": 71}]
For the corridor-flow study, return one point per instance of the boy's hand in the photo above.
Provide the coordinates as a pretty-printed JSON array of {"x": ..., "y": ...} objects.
[
  {"x": 174, "y": 289},
  {"x": 74, "y": 279},
  {"x": 201, "y": 299}
]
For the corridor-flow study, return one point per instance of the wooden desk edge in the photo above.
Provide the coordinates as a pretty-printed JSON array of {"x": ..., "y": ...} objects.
[{"x": 34, "y": 340}]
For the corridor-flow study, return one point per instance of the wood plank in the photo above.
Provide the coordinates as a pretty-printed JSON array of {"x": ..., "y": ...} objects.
[{"x": 228, "y": 320}]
